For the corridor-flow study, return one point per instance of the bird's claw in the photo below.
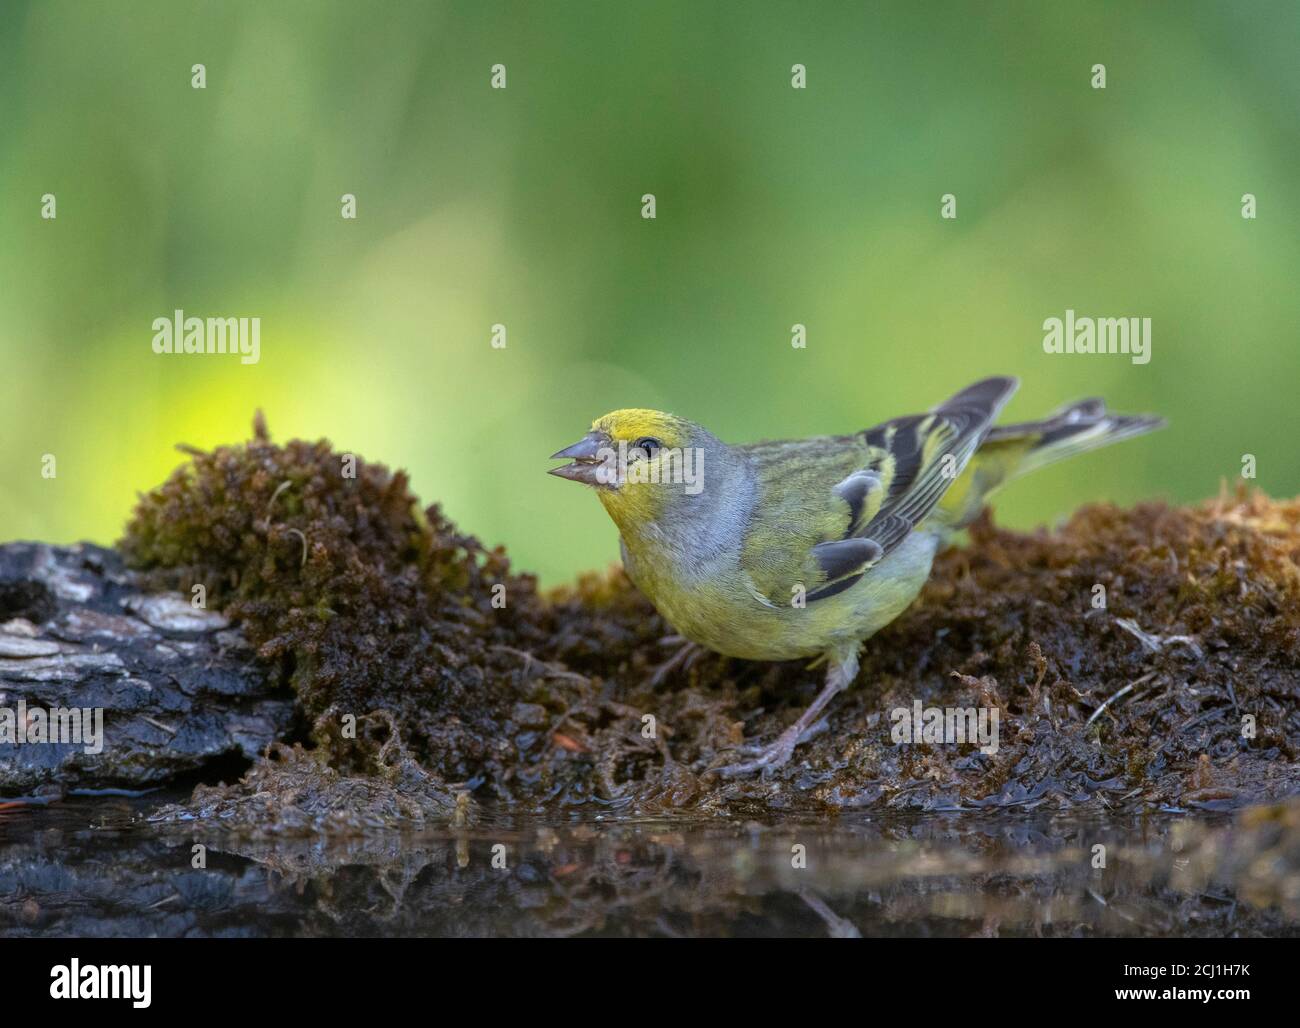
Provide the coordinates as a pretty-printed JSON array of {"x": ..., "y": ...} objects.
[
  {"x": 769, "y": 758},
  {"x": 766, "y": 758},
  {"x": 686, "y": 655}
]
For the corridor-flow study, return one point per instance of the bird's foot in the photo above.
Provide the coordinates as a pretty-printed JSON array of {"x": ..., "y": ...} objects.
[
  {"x": 810, "y": 722},
  {"x": 768, "y": 758},
  {"x": 687, "y": 654},
  {"x": 776, "y": 754},
  {"x": 753, "y": 749}
]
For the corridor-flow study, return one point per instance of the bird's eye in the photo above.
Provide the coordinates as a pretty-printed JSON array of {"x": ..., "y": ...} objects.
[{"x": 647, "y": 445}]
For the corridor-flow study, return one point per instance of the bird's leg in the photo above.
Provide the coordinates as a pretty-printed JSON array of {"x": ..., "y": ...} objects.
[
  {"x": 686, "y": 655},
  {"x": 843, "y": 669},
  {"x": 836, "y": 926}
]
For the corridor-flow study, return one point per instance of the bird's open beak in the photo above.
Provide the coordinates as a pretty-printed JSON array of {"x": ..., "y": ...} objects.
[{"x": 591, "y": 456}]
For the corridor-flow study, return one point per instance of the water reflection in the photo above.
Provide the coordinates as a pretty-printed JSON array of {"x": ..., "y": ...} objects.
[{"x": 94, "y": 867}]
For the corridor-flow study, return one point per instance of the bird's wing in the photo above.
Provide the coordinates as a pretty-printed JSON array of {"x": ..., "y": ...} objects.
[{"x": 847, "y": 502}]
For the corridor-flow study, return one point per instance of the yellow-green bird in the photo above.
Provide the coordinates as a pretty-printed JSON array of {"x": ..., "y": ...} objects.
[{"x": 802, "y": 548}]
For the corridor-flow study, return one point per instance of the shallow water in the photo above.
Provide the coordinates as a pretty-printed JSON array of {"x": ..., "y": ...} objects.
[{"x": 93, "y": 866}]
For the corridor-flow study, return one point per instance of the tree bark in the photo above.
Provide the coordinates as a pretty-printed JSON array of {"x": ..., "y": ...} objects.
[{"x": 177, "y": 686}]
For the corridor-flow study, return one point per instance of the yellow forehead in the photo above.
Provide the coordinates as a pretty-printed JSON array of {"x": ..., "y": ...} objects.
[{"x": 634, "y": 422}]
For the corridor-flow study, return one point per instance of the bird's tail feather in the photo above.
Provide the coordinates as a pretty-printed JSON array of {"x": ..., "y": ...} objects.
[
  {"x": 1074, "y": 429},
  {"x": 1009, "y": 451}
]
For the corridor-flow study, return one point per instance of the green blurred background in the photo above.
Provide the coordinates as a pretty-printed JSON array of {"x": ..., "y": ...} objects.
[{"x": 522, "y": 206}]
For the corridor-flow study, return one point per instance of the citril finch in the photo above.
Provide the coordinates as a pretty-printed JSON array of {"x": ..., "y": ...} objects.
[{"x": 801, "y": 548}]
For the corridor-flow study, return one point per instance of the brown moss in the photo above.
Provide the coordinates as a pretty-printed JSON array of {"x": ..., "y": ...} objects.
[
  {"x": 369, "y": 605},
  {"x": 295, "y": 792}
]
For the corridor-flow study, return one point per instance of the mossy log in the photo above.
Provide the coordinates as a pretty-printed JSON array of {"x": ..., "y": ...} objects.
[{"x": 1138, "y": 659}]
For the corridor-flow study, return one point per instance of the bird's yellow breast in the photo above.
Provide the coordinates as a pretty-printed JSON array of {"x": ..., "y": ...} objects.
[{"x": 721, "y": 611}]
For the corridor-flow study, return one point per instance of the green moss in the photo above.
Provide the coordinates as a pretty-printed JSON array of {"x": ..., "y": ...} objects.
[{"x": 338, "y": 578}]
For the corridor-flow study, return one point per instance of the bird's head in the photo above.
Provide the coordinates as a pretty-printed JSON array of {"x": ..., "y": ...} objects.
[{"x": 642, "y": 463}]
